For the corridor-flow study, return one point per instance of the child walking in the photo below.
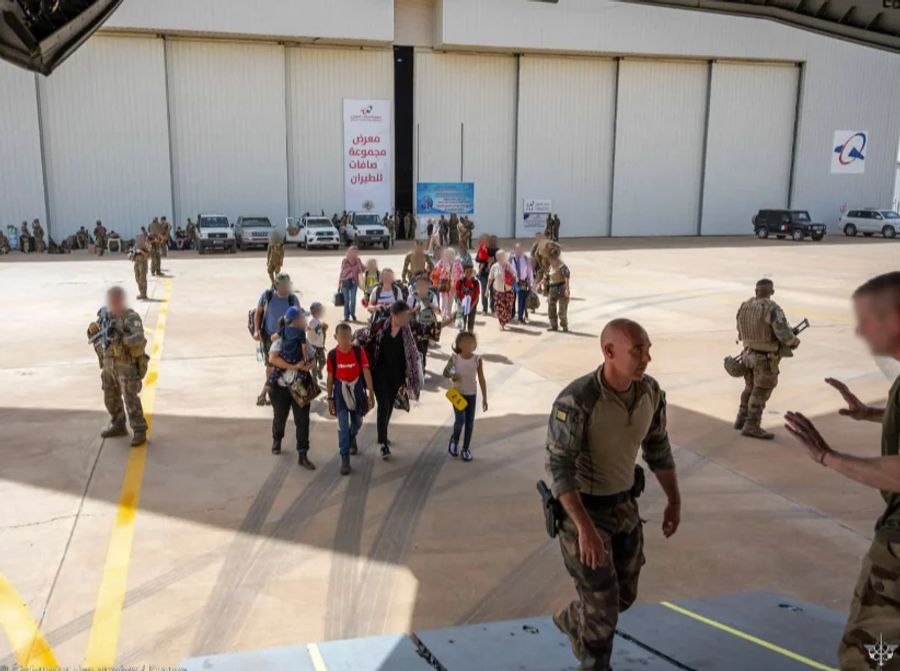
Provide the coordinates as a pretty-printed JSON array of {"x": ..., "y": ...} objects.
[
  {"x": 350, "y": 391},
  {"x": 316, "y": 331},
  {"x": 466, "y": 371}
]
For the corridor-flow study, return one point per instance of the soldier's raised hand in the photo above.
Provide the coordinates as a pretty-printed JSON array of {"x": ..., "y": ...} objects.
[{"x": 855, "y": 408}]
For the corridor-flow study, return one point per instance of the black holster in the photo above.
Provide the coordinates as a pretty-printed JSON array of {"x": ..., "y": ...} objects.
[
  {"x": 640, "y": 482},
  {"x": 553, "y": 512}
]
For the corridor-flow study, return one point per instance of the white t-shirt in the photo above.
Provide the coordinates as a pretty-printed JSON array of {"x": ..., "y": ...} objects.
[
  {"x": 315, "y": 334},
  {"x": 467, "y": 370}
]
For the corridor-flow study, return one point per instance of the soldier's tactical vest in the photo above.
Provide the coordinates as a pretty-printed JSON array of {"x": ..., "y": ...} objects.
[{"x": 754, "y": 331}]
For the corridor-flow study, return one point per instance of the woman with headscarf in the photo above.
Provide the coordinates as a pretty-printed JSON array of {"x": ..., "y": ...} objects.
[
  {"x": 502, "y": 281},
  {"x": 396, "y": 366},
  {"x": 348, "y": 282},
  {"x": 445, "y": 275},
  {"x": 288, "y": 358}
]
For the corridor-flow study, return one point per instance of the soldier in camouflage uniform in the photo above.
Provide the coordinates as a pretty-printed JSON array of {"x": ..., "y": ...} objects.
[
  {"x": 4, "y": 244},
  {"x": 542, "y": 252},
  {"x": 558, "y": 294},
  {"x": 140, "y": 255},
  {"x": 156, "y": 231},
  {"x": 39, "y": 245},
  {"x": 99, "y": 238},
  {"x": 875, "y": 609},
  {"x": 274, "y": 255},
  {"x": 763, "y": 330},
  {"x": 118, "y": 338},
  {"x": 597, "y": 426}
]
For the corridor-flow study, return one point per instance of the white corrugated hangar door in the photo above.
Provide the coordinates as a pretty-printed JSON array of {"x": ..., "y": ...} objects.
[
  {"x": 565, "y": 141},
  {"x": 106, "y": 137},
  {"x": 749, "y": 143},
  {"x": 21, "y": 178},
  {"x": 227, "y": 107},
  {"x": 660, "y": 123},
  {"x": 318, "y": 81},
  {"x": 465, "y": 130}
]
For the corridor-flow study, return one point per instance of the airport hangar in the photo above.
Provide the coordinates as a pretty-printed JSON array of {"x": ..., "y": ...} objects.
[{"x": 632, "y": 120}]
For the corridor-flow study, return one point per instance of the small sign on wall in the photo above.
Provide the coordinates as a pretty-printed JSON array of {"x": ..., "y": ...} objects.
[{"x": 849, "y": 154}]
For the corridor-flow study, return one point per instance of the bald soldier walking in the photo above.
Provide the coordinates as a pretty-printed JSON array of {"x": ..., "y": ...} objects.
[
  {"x": 763, "y": 330},
  {"x": 875, "y": 609},
  {"x": 597, "y": 425}
]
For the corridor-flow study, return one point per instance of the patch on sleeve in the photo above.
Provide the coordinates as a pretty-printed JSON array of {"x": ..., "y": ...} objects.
[{"x": 562, "y": 415}]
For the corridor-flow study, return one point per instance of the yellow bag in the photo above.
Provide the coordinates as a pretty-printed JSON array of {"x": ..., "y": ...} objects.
[{"x": 457, "y": 399}]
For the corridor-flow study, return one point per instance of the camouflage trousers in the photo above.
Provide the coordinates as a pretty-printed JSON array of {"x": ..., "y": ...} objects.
[
  {"x": 875, "y": 611},
  {"x": 39, "y": 245},
  {"x": 558, "y": 306},
  {"x": 119, "y": 386},
  {"x": 140, "y": 274},
  {"x": 590, "y": 620},
  {"x": 273, "y": 270},
  {"x": 155, "y": 260},
  {"x": 760, "y": 381},
  {"x": 100, "y": 245}
]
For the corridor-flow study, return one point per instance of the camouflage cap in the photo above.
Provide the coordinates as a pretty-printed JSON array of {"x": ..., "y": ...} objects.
[{"x": 282, "y": 278}]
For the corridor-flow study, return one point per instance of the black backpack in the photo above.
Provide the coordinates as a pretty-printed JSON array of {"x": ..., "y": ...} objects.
[{"x": 251, "y": 314}]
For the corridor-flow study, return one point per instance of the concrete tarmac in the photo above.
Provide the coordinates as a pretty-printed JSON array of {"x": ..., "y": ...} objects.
[{"x": 234, "y": 548}]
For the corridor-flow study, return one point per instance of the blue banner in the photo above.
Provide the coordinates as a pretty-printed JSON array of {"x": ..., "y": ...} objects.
[{"x": 445, "y": 198}]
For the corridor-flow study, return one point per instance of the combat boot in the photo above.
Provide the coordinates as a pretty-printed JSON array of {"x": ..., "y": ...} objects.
[
  {"x": 140, "y": 437},
  {"x": 276, "y": 446},
  {"x": 739, "y": 421},
  {"x": 113, "y": 431},
  {"x": 354, "y": 448},
  {"x": 755, "y": 431},
  {"x": 303, "y": 460},
  {"x": 345, "y": 464},
  {"x": 561, "y": 620}
]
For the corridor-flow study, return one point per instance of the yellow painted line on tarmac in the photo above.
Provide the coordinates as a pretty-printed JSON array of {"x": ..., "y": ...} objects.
[
  {"x": 316, "y": 656},
  {"x": 107, "y": 622},
  {"x": 750, "y": 638},
  {"x": 28, "y": 644}
]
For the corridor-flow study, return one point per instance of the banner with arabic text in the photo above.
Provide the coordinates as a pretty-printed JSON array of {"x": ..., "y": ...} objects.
[{"x": 368, "y": 169}]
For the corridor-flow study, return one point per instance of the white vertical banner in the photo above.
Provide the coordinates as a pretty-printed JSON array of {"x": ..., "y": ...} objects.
[{"x": 368, "y": 164}]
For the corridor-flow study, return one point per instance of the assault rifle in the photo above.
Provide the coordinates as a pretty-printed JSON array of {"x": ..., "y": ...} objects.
[
  {"x": 102, "y": 335},
  {"x": 784, "y": 350}
]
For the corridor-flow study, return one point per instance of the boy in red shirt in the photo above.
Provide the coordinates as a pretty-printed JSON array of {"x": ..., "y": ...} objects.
[
  {"x": 468, "y": 285},
  {"x": 350, "y": 391}
]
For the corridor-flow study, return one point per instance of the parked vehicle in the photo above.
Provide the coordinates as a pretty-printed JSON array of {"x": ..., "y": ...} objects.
[
  {"x": 366, "y": 230},
  {"x": 795, "y": 224},
  {"x": 870, "y": 221},
  {"x": 214, "y": 232},
  {"x": 252, "y": 232},
  {"x": 311, "y": 232}
]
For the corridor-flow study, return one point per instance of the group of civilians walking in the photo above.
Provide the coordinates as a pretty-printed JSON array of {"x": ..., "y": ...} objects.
[{"x": 380, "y": 365}]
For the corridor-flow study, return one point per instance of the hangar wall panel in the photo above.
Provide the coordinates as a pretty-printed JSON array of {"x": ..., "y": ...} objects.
[
  {"x": 227, "y": 109},
  {"x": 318, "y": 82},
  {"x": 365, "y": 20},
  {"x": 567, "y": 110},
  {"x": 660, "y": 123},
  {"x": 21, "y": 178},
  {"x": 749, "y": 143},
  {"x": 465, "y": 116},
  {"x": 106, "y": 136}
]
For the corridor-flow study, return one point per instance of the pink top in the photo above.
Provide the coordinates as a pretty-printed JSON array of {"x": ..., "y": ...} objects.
[
  {"x": 450, "y": 272},
  {"x": 351, "y": 270}
]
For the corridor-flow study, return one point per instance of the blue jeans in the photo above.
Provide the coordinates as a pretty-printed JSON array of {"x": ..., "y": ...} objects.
[
  {"x": 521, "y": 299},
  {"x": 465, "y": 417},
  {"x": 348, "y": 290},
  {"x": 349, "y": 423}
]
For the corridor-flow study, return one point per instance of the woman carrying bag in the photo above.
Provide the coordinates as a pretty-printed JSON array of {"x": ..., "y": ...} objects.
[{"x": 396, "y": 366}]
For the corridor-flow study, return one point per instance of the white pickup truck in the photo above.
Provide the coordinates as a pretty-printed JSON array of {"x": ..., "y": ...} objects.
[
  {"x": 311, "y": 232},
  {"x": 366, "y": 230},
  {"x": 214, "y": 232}
]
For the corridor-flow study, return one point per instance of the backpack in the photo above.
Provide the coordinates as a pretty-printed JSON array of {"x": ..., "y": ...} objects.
[
  {"x": 251, "y": 322},
  {"x": 332, "y": 357}
]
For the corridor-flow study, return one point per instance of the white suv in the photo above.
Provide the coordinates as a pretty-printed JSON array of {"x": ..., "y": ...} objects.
[
  {"x": 312, "y": 232},
  {"x": 870, "y": 221}
]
